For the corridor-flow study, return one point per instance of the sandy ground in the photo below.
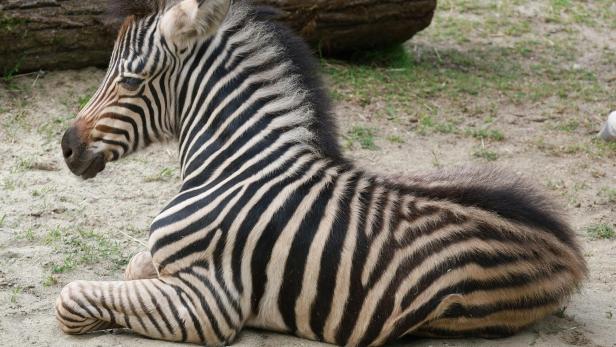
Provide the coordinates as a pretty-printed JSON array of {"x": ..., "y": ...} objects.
[
  {"x": 55, "y": 228},
  {"x": 44, "y": 206}
]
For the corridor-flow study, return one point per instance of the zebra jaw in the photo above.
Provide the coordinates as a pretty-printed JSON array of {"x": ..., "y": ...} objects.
[{"x": 90, "y": 166}]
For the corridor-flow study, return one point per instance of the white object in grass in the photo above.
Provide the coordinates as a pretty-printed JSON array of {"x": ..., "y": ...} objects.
[{"x": 608, "y": 133}]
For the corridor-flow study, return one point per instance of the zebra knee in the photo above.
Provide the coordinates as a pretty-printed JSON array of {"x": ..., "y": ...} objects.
[{"x": 140, "y": 267}]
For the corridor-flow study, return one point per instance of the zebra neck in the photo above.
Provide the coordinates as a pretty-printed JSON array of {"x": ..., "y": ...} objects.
[
  {"x": 235, "y": 148},
  {"x": 236, "y": 106}
]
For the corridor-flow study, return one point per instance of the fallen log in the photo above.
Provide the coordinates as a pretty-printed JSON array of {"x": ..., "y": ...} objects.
[{"x": 68, "y": 34}]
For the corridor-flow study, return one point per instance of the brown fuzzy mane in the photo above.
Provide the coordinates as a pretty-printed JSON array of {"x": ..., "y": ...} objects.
[{"x": 120, "y": 9}]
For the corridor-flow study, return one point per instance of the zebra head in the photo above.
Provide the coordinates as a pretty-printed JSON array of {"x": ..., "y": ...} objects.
[{"x": 136, "y": 103}]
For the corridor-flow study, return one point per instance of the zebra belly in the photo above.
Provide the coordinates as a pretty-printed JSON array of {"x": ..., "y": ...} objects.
[{"x": 299, "y": 304}]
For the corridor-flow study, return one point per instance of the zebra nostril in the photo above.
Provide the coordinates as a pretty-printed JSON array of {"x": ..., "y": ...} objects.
[
  {"x": 71, "y": 145},
  {"x": 67, "y": 153}
]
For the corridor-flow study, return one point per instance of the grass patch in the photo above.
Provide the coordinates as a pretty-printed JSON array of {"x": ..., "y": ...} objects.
[
  {"x": 398, "y": 78},
  {"x": 486, "y": 134},
  {"x": 15, "y": 292},
  {"x": 451, "y": 63},
  {"x": 10, "y": 184},
  {"x": 83, "y": 247},
  {"x": 27, "y": 234},
  {"x": 604, "y": 149},
  {"x": 395, "y": 139},
  {"x": 394, "y": 57},
  {"x": 601, "y": 231},
  {"x": 52, "y": 130},
  {"x": 67, "y": 264},
  {"x": 83, "y": 101},
  {"x": 165, "y": 175},
  {"x": 427, "y": 125},
  {"x": 9, "y": 76},
  {"x": 363, "y": 136},
  {"x": 485, "y": 154},
  {"x": 23, "y": 165},
  {"x": 43, "y": 191},
  {"x": 50, "y": 281},
  {"x": 568, "y": 126},
  {"x": 608, "y": 193}
]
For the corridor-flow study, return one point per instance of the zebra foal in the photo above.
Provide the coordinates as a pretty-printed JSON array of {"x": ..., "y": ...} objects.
[{"x": 272, "y": 227}]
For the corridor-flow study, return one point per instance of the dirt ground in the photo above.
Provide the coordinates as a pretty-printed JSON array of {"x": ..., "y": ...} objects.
[{"x": 521, "y": 84}]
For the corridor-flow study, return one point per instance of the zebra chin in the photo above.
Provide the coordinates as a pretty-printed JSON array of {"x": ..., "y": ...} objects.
[{"x": 89, "y": 167}]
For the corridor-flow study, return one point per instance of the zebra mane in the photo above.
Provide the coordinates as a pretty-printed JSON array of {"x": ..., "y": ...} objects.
[{"x": 121, "y": 9}]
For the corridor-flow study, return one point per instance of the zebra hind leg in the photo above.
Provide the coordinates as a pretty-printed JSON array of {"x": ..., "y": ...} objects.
[
  {"x": 140, "y": 267},
  {"x": 461, "y": 318},
  {"x": 157, "y": 308}
]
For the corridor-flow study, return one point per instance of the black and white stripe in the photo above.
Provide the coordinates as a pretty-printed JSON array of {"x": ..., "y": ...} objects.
[{"x": 273, "y": 229}]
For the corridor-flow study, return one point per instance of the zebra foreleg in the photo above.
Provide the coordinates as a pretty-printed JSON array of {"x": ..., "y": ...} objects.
[
  {"x": 140, "y": 267},
  {"x": 157, "y": 308}
]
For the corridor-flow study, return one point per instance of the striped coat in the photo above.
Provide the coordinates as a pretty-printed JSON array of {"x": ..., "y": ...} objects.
[{"x": 272, "y": 227}]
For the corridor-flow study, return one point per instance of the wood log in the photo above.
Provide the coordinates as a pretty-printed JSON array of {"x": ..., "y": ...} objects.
[{"x": 68, "y": 34}]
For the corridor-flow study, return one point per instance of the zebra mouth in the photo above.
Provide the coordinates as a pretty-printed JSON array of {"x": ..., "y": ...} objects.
[
  {"x": 96, "y": 165},
  {"x": 89, "y": 168}
]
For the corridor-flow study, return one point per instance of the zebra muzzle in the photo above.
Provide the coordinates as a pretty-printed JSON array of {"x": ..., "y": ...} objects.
[{"x": 79, "y": 159}]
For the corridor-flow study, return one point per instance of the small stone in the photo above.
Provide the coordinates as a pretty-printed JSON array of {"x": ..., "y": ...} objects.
[{"x": 608, "y": 133}]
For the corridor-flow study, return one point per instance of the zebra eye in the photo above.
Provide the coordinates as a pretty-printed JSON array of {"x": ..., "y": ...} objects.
[{"x": 131, "y": 83}]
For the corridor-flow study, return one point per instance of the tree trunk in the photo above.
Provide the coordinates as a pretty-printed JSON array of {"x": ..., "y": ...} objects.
[
  {"x": 53, "y": 34},
  {"x": 342, "y": 26},
  {"x": 63, "y": 34}
]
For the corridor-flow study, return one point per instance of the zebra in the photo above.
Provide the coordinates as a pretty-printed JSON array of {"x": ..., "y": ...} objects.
[{"x": 272, "y": 227}]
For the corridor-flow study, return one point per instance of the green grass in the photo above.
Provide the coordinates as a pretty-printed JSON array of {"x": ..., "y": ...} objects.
[
  {"x": 568, "y": 126},
  {"x": 50, "y": 281},
  {"x": 83, "y": 101},
  {"x": 601, "y": 231},
  {"x": 395, "y": 139},
  {"x": 486, "y": 51},
  {"x": 78, "y": 247},
  {"x": 10, "y": 184},
  {"x": 608, "y": 193},
  {"x": 486, "y": 134},
  {"x": 15, "y": 292},
  {"x": 603, "y": 149},
  {"x": 363, "y": 136},
  {"x": 24, "y": 164},
  {"x": 53, "y": 129},
  {"x": 593, "y": 147},
  {"x": 165, "y": 175},
  {"x": 486, "y": 154},
  {"x": 398, "y": 78},
  {"x": 428, "y": 124},
  {"x": 9, "y": 74},
  {"x": 27, "y": 234},
  {"x": 68, "y": 264},
  {"x": 2, "y": 220}
]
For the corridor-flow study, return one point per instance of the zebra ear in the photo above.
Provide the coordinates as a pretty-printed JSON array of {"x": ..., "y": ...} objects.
[{"x": 191, "y": 19}]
